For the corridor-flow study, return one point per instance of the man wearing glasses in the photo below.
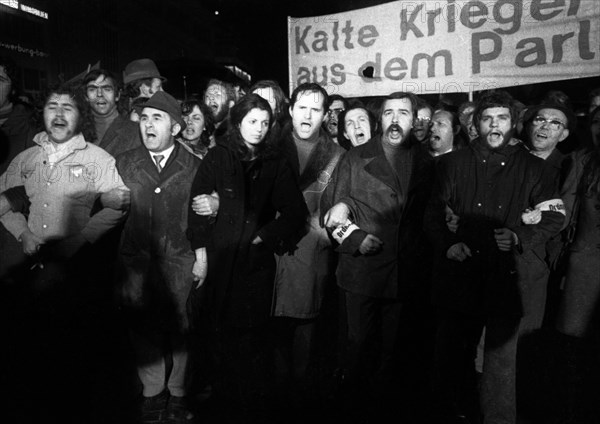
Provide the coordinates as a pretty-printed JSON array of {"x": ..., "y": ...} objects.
[
  {"x": 115, "y": 133},
  {"x": 548, "y": 125},
  {"x": 337, "y": 104}
]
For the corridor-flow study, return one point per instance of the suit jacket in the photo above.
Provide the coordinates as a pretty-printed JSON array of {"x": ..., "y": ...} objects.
[
  {"x": 154, "y": 254},
  {"x": 366, "y": 182}
]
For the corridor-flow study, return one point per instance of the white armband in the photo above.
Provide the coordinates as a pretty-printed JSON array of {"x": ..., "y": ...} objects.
[
  {"x": 342, "y": 232},
  {"x": 553, "y": 205}
]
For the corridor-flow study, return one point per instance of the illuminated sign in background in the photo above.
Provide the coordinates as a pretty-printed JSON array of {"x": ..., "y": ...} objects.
[{"x": 28, "y": 9}]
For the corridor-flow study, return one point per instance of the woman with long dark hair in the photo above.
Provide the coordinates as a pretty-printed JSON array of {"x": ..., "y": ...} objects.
[{"x": 261, "y": 212}]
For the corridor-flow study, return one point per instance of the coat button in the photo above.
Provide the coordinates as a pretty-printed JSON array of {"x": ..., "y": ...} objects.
[
  {"x": 157, "y": 190},
  {"x": 479, "y": 205}
]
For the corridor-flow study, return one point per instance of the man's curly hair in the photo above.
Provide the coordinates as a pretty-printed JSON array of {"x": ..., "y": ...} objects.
[{"x": 85, "y": 123}]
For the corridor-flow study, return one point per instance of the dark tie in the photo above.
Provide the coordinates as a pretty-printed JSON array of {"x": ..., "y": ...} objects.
[{"x": 158, "y": 159}]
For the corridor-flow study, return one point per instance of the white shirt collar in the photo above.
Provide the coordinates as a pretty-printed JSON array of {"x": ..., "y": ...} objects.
[{"x": 166, "y": 153}]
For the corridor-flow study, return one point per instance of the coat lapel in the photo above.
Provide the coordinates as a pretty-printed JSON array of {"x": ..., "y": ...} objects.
[{"x": 377, "y": 165}]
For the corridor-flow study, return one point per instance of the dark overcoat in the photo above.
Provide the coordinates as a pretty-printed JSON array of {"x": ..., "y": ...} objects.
[
  {"x": 122, "y": 135},
  {"x": 489, "y": 190},
  {"x": 302, "y": 275},
  {"x": 366, "y": 182},
  {"x": 154, "y": 255},
  {"x": 240, "y": 275}
]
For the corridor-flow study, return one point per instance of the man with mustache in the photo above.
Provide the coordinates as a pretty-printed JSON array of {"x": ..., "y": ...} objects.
[
  {"x": 374, "y": 208},
  {"x": 219, "y": 97},
  {"x": 483, "y": 268},
  {"x": 62, "y": 175}
]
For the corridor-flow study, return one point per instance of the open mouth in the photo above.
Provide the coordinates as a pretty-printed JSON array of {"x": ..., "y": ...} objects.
[
  {"x": 57, "y": 123},
  {"x": 395, "y": 130},
  {"x": 360, "y": 136},
  {"x": 495, "y": 135},
  {"x": 305, "y": 126},
  {"x": 541, "y": 136}
]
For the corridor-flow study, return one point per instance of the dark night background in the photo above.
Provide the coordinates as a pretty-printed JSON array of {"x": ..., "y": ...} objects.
[{"x": 186, "y": 38}]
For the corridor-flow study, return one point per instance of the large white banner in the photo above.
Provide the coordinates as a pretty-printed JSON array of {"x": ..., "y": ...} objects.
[{"x": 445, "y": 46}]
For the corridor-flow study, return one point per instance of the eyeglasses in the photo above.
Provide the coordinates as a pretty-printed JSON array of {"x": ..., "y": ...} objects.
[
  {"x": 335, "y": 112},
  {"x": 552, "y": 123},
  {"x": 423, "y": 121}
]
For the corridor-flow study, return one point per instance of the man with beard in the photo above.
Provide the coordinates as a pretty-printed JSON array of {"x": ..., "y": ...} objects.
[
  {"x": 374, "y": 208},
  {"x": 219, "y": 97},
  {"x": 481, "y": 270},
  {"x": 337, "y": 104},
  {"x": 114, "y": 133}
]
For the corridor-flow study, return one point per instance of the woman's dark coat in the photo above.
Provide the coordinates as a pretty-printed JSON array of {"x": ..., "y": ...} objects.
[{"x": 240, "y": 274}]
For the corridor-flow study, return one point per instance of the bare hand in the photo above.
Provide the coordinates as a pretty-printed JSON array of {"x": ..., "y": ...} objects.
[
  {"x": 200, "y": 267},
  {"x": 257, "y": 240},
  {"x": 451, "y": 220},
  {"x": 458, "y": 252},
  {"x": 206, "y": 204},
  {"x": 370, "y": 245},
  {"x": 117, "y": 198},
  {"x": 31, "y": 243},
  {"x": 337, "y": 215},
  {"x": 505, "y": 239},
  {"x": 531, "y": 216}
]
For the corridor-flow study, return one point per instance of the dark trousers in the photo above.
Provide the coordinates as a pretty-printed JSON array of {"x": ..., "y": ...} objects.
[
  {"x": 456, "y": 342},
  {"x": 368, "y": 319}
]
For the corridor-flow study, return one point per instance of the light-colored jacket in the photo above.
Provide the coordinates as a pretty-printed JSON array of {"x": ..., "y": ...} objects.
[{"x": 62, "y": 188}]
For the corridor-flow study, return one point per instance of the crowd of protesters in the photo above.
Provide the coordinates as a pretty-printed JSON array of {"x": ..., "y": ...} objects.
[{"x": 222, "y": 228}]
